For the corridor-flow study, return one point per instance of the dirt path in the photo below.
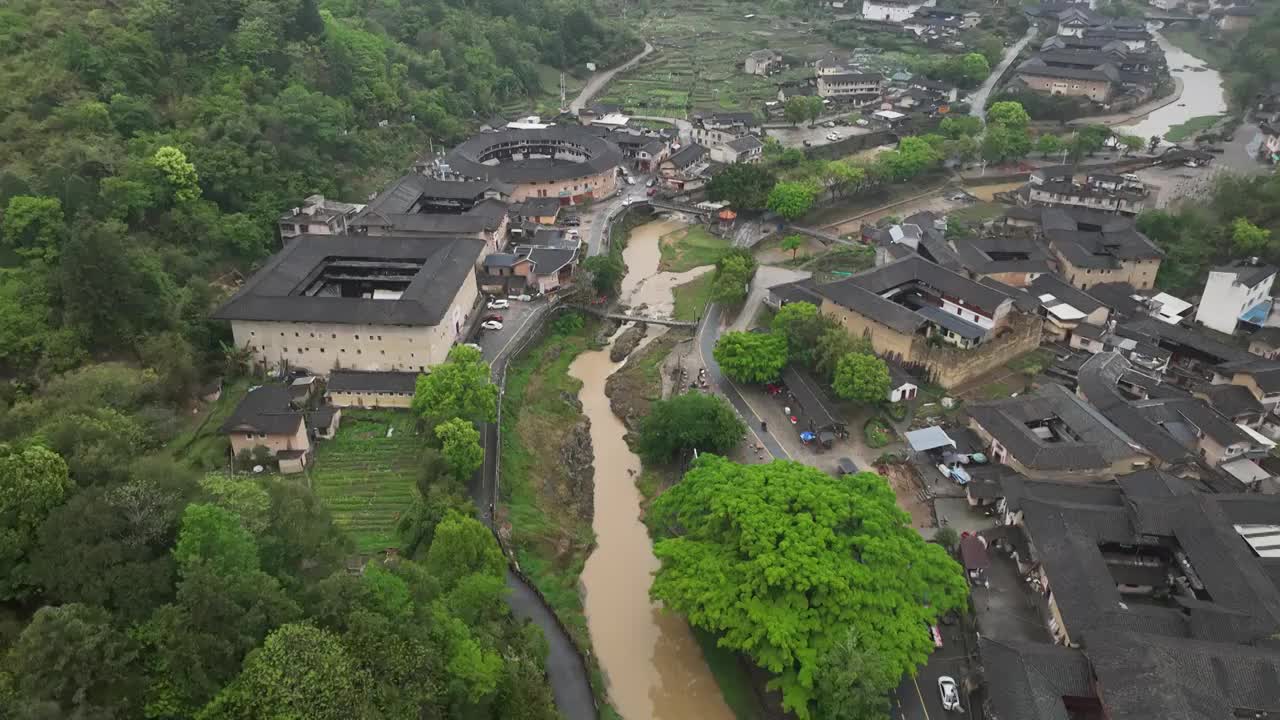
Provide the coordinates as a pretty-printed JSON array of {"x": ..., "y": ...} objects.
[{"x": 601, "y": 79}]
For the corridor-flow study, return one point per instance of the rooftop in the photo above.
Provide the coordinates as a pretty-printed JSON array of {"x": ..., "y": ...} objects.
[
  {"x": 1053, "y": 430},
  {"x": 349, "y": 279},
  {"x": 367, "y": 381},
  {"x": 266, "y": 409}
]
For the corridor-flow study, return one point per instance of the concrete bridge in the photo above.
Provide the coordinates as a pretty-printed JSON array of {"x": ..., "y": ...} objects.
[
  {"x": 624, "y": 317},
  {"x": 824, "y": 236},
  {"x": 672, "y": 206}
]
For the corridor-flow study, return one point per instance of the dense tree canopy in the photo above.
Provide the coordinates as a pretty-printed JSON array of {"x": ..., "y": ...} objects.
[
  {"x": 690, "y": 421},
  {"x": 862, "y": 377},
  {"x": 745, "y": 186},
  {"x": 751, "y": 357},
  {"x": 771, "y": 558},
  {"x": 791, "y": 200},
  {"x": 460, "y": 387}
]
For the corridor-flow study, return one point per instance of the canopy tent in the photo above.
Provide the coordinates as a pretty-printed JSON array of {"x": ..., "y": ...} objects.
[{"x": 930, "y": 438}]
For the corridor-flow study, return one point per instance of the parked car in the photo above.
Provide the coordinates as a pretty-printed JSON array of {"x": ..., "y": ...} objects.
[
  {"x": 846, "y": 466},
  {"x": 808, "y": 143},
  {"x": 862, "y": 122},
  {"x": 493, "y": 318},
  {"x": 630, "y": 180},
  {"x": 651, "y": 182},
  {"x": 828, "y": 124},
  {"x": 499, "y": 304},
  {"x": 491, "y": 325},
  {"x": 652, "y": 191},
  {"x": 572, "y": 221},
  {"x": 473, "y": 346},
  {"x": 950, "y": 693}
]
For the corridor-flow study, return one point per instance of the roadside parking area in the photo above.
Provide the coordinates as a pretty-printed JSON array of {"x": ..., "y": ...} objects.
[{"x": 514, "y": 318}]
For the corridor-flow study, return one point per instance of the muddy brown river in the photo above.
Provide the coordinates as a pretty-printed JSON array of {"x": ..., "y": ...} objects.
[{"x": 654, "y": 667}]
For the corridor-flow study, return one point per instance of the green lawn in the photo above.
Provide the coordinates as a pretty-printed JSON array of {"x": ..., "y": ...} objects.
[
  {"x": 691, "y": 298},
  {"x": 1178, "y": 133},
  {"x": 689, "y": 248},
  {"x": 978, "y": 212},
  {"x": 735, "y": 684},
  {"x": 365, "y": 478}
]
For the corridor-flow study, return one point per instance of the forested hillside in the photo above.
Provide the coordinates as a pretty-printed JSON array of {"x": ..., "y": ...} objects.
[
  {"x": 146, "y": 148},
  {"x": 146, "y": 145}
]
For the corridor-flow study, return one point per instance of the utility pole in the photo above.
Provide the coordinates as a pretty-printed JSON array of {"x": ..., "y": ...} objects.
[{"x": 563, "y": 106}]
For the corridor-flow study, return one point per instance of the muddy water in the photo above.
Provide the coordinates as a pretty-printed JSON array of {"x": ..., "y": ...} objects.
[
  {"x": 654, "y": 667},
  {"x": 643, "y": 284},
  {"x": 1202, "y": 94}
]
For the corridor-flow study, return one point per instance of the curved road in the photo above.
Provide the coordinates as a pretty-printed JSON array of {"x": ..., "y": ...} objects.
[
  {"x": 978, "y": 100},
  {"x": 570, "y": 683},
  {"x": 600, "y": 79}
]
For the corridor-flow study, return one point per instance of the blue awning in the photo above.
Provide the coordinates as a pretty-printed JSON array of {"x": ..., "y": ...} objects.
[{"x": 1257, "y": 314}]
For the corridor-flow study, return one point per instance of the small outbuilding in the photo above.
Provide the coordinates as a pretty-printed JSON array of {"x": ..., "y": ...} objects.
[
  {"x": 370, "y": 389},
  {"x": 976, "y": 560}
]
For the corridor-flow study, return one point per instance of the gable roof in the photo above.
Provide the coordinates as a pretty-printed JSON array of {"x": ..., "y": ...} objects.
[
  {"x": 266, "y": 409},
  {"x": 359, "y": 381}
]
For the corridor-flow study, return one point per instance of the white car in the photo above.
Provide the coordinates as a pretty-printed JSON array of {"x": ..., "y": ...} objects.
[
  {"x": 499, "y": 304},
  {"x": 491, "y": 325},
  {"x": 473, "y": 346},
  {"x": 950, "y": 695}
]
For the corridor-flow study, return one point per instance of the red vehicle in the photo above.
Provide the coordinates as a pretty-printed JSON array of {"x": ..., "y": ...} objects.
[
  {"x": 652, "y": 191},
  {"x": 493, "y": 317}
]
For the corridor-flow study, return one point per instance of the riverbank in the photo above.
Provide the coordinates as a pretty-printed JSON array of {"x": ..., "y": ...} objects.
[{"x": 547, "y": 501}]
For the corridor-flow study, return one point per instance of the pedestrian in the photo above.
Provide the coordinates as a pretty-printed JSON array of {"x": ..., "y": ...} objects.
[{"x": 764, "y": 426}]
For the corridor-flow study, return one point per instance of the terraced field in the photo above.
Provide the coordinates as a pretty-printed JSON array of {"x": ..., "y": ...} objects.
[
  {"x": 366, "y": 478},
  {"x": 698, "y": 60}
]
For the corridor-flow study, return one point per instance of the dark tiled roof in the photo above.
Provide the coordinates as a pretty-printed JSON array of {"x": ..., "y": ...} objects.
[
  {"x": 687, "y": 155},
  {"x": 432, "y": 223},
  {"x": 548, "y": 260},
  {"x": 1198, "y": 339},
  {"x": 1053, "y": 285},
  {"x": 273, "y": 293},
  {"x": 364, "y": 381},
  {"x": 1100, "y": 442},
  {"x": 468, "y": 159},
  {"x": 266, "y": 409},
  {"x": 1143, "y": 677},
  {"x": 1097, "y": 381},
  {"x": 1248, "y": 274},
  {"x": 744, "y": 144},
  {"x": 321, "y": 417},
  {"x": 1232, "y": 400}
]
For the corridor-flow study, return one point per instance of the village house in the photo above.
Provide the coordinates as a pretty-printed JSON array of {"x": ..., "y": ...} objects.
[
  {"x": 1153, "y": 596},
  {"x": 530, "y": 268},
  {"x": 1054, "y": 434},
  {"x": 370, "y": 389},
  {"x": 1236, "y": 19},
  {"x": 747, "y": 149},
  {"x": 318, "y": 216},
  {"x": 420, "y": 206},
  {"x": 893, "y": 11},
  {"x": 917, "y": 312},
  {"x": 762, "y": 62},
  {"x": 685, "y": 168},
  {"x": 857, "y": 87},
  {"x": 1094, "y": 248},
  {"x": 1065, "y": 307},
  {"x": 364, "y": 303},
  {"x": 1096, "y": 83},
  {"x": 268, "y": 418},
  {"x": 1236, "y": 293},
  {"x": 717, "y": 128}
]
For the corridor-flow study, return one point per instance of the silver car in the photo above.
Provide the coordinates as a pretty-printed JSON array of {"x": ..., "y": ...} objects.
[{"x": 950, "y": 694}]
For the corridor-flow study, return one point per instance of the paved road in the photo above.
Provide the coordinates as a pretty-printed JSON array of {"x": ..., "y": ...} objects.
[
  {"x": 978, "y": 100},
  {"x": 601, "y": 215},
  {"x": 917, "y": 697},
  {"x": 600, "y": 79},
  {"x": 570, "y": 684}
]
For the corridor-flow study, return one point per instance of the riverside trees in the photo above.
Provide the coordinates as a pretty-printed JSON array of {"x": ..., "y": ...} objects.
[{"x": 771, "y": 558}]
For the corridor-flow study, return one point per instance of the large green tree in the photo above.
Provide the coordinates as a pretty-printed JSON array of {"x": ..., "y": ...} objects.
[
  {"x": 751, "y": 357},
  {"x": 689, "y": 421},
  {"x": 771, "y": 558},
  {"x": 300, "y": 671},
  {"x": 33, "y": 482},
  {"x": 745, "y": 186},
  {"x": 460, "y": 447},
  {"x": 862, "y": 377},
  {"x": 792, "y": 200},
  {"x": 460, "y": 387},
  {"x": 801, "y": 324}
]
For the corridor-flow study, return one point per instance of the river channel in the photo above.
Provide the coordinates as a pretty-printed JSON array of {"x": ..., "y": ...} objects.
[
  {"x": 654, "y": 667},
  {"x": 1202, "y": 94}
]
